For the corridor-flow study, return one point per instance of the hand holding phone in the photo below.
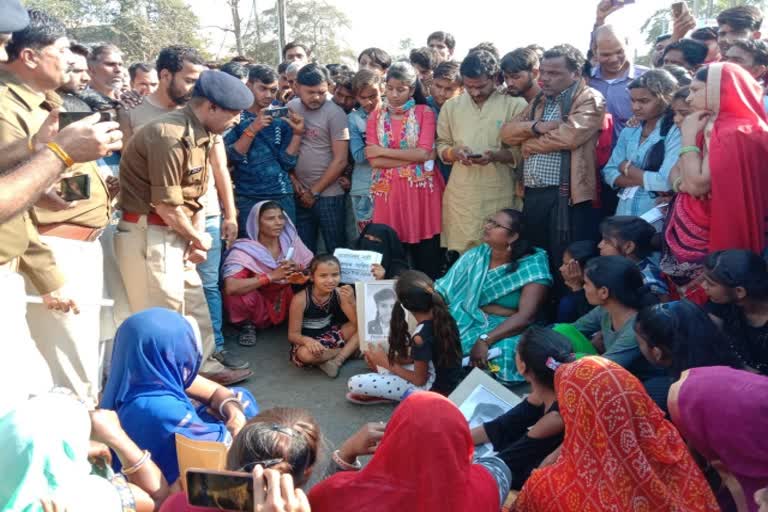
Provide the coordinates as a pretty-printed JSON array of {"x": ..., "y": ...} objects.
[
  {"x": 76, "y": 188},
  {"x": 678, "y": 8},
  {"x": 260, "y": 491}
]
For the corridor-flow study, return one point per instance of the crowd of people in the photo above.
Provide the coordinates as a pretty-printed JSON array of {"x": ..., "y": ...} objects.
[{"x": 587, "y": 226}]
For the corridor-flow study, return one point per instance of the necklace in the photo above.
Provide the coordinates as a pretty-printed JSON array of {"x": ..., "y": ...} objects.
[{"x": 322, "y": 305}]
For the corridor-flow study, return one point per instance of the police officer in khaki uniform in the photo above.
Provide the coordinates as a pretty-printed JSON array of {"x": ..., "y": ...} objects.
[
  {"x": 30, "y": 160},
  {"x": 163, "y": 175}
]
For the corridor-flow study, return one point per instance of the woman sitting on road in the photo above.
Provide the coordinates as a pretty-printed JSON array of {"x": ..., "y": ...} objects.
[
  {"x": 153, "y": 382},
  {"x": 257, "y": 269},
  {"x": 495, "y": 291}
]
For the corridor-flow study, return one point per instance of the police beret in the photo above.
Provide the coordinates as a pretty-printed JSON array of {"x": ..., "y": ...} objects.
[
  {"x": 13, "y": 16},
  {"x": 223, "y": 90}
]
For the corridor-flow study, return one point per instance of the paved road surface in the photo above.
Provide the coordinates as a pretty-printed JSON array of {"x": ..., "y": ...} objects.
[{"x": 276, "y": 382}]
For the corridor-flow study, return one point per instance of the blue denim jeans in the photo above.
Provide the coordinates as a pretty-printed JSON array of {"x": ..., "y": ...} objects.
[
  {"x": 327, "y": 214},
  {"x": 209, "y": 274}
]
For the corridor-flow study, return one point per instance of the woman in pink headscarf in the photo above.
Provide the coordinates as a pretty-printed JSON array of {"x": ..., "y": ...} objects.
[
  {"x": 257, "y": 271},
  {"x": 722, "y": 186}
]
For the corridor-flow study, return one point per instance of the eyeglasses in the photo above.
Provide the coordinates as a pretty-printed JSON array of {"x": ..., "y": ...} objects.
[{"x": 491, "y": 222}]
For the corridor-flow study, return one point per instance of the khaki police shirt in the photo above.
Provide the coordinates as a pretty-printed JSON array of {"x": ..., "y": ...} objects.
[
  {"x": 19, "y": 106},
  {"x": 166, "y": 161}
]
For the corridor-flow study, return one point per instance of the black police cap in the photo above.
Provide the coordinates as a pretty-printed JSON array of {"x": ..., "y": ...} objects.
[
  {"x": 13, "y": 16},
  {"x": 223, "y": 90}
]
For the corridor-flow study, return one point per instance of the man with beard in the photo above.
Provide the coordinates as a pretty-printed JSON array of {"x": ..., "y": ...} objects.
[
  {"x": 521, "y": 73},
  {"x": 79, "y": 78},
  {"x": 178, "y": 68}
]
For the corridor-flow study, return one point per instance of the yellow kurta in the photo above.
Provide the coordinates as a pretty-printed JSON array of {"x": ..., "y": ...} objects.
[{"x": 476, "y": 192}]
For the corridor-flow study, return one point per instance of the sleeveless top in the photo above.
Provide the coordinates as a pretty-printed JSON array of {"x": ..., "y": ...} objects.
[{"x": 321, "y": 318}]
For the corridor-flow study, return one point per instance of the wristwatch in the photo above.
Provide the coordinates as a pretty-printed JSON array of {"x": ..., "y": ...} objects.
[
  {"x": 533, "y": 128},
  {"x": 484, "y": 339}
]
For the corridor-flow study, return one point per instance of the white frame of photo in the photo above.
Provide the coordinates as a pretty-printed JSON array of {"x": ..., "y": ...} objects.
[{"x": 363, "y": 300}]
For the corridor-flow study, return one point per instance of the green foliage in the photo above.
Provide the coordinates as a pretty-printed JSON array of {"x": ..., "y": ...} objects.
[
  {"x": 139, "y": 27},
  {"x": 314, "y": 23}
]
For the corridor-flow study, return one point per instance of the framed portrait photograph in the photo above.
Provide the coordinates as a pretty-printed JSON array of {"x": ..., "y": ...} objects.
[
  {"x": 375, "y": 303},
  {"x": 482, "y": 399}
]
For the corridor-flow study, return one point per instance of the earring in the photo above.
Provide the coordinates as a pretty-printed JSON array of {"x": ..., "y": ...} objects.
[{"x": 509, "y": 247}]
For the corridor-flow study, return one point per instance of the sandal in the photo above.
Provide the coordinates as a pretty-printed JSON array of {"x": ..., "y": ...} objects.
[{"x": 247, "y": 337}]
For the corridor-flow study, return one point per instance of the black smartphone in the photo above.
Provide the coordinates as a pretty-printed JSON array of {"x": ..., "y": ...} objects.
[
  {"x": 277, "y": 112},
  {"x": 67, "y": 118},
  {"x": 222, "y": 490},
  {"x": 76, "y": 188},
  {"x": 475, "y": 155},
  {"x": 678, "y": 8}
]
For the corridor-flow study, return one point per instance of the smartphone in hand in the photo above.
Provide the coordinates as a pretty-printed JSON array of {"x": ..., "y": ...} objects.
[
  {"x": 76, "y": 188},
  {"x": 220, "y": 490}
]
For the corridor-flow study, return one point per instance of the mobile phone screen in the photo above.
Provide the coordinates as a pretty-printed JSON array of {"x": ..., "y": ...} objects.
[
  {"x": 220, "y": 490},
  {"x": 278, "y": 112},
  {"x": 76, "y": 188}
]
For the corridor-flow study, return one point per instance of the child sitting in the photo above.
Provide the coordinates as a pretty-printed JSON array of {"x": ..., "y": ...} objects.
[
  {"x": 428, "y": 359},
  {"x": 529, "y": 432},
  {"x": 322, "y": 321},
  {"x": 574, "y": 304},
  {"x": 632, "y": 237}
]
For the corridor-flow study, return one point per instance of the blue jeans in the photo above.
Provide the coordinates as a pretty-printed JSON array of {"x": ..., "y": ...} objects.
[
  {"x": 328, "y": 215},
  {"x": 245, "y": 204},
  {"x": 209, "y": 274}
]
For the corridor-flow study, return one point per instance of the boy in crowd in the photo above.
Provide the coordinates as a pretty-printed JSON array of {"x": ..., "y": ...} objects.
[{"x": 446, "y": 84}]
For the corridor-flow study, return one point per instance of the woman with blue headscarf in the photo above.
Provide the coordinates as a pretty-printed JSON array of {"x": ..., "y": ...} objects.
[{"x": 156, "y": 391}]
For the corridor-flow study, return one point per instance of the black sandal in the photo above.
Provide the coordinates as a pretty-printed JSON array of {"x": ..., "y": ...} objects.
[{"x": 247, "y": 336}]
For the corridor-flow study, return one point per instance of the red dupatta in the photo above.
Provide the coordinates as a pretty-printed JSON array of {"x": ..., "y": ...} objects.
[
  {"x": 737, "y": 151},
  {"x": 423, "y": 464},
  {"x": 619, "y": 453}
]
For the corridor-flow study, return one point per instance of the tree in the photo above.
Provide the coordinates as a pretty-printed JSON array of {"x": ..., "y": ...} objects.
[
  {"x": 74, "y": 13},
  {"x": 140, "y": 28},
  {"x": 314, "y": 23},
  {"x": 659, "y": 22}
]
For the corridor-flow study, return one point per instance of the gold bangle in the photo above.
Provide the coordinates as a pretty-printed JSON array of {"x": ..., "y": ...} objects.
[
  {"x": 61, "y": 154},
  {"x": 249, "y": 132},
  {"x": 676, "y": 184},
  {"x": 30, "y": 144}
]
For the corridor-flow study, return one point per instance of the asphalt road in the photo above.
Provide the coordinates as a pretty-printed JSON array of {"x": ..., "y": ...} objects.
[{"x": 277, "y": 382}]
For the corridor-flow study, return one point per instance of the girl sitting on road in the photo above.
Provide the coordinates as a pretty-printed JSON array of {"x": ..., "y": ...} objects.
[
  {"x": 428, "y": 359},
  {"x": 322, "y": 321}
]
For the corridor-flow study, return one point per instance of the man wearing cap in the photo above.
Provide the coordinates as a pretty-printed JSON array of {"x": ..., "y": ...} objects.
[
  {"x": 163, "y": 175},
  {"x": 28, "y": 122}
]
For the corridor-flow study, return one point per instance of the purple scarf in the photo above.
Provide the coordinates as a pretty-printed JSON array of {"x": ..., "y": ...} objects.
[
  {"x": 723, "y": 414},
  {"x": 249, "y": 253}
]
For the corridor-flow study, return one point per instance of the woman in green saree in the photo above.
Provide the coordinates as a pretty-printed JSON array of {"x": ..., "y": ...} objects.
[{"x": 495, "y": 291}]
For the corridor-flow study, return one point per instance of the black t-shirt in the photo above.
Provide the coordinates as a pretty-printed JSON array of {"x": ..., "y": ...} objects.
[
  {"x": 509, "y": 435},
  {"x": 749, "y": 343},
  {"x": 446, "y": 378}
]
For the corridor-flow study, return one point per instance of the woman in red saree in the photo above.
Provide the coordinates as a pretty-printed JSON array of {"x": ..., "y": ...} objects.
[
  {"x": 721, "y": 176},
  {"x": 619, "y": 453},
  {"x": 423, "y": 464},
  {"x": 256, "y": 271}
]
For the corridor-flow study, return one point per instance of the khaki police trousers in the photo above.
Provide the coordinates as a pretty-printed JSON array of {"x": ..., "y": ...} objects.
[
  {"x": 155, "y": 274},
  {"x": 23, "y": 371},
  {"x": 70, "y": 343}
]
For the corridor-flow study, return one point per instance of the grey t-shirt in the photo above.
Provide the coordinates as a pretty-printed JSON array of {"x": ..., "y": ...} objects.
[{"x": 322, "y": 127}]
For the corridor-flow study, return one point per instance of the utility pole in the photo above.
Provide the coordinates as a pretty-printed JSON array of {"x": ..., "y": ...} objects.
[{"x": 280, "y": 29}]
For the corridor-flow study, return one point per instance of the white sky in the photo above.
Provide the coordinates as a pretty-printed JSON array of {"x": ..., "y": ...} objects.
[{"x": 507, "y": 23}]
